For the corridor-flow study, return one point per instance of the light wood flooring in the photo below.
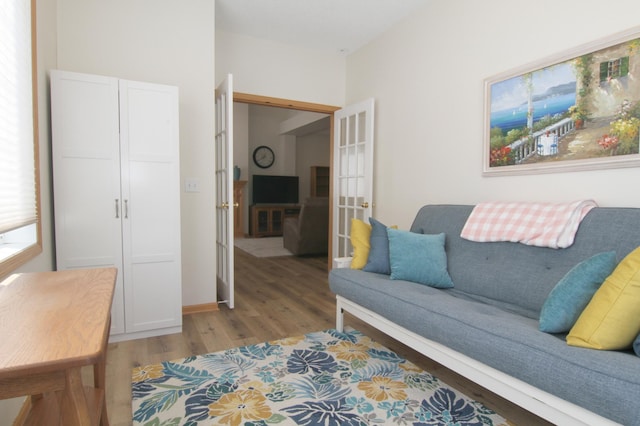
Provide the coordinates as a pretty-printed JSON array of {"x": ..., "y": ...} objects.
[{"x": 275, "y": 298}]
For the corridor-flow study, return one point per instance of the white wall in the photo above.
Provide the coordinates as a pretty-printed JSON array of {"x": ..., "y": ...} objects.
[
  {"x": 312, "y": 150},
  {"x": 427, "y": 75},
  {"x": 167, "y": 42},
  {"x": 266, "y": 68},
  {"x": 264, "y": 129}
]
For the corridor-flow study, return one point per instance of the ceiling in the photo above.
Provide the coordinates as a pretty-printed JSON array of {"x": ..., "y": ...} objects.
[{"x": 341, "y": 26}]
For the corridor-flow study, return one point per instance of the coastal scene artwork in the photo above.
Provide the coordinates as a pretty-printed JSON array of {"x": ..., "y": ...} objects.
[{"x": 576, "y": 111}]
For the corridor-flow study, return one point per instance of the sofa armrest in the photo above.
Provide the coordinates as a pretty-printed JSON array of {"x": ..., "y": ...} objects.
[
  {"x": 291, "y": 235},
  {"x": 290, "y": 226}
]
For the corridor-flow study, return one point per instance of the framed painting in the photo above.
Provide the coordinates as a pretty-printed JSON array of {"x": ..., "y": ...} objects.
[{"x": 578, "y": 110}]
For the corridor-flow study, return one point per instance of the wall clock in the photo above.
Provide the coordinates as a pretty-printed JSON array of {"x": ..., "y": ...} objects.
[{"x": 263, "y": 156}]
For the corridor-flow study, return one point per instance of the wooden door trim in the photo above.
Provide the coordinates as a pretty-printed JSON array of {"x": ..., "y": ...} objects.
[{"x": 247, "y": 98}]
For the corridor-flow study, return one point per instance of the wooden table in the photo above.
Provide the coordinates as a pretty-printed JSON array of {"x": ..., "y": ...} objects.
[{"x": 51, "y": 325}]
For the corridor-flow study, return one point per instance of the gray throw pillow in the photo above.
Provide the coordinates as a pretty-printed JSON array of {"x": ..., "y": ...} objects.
[{"x": 379, "y": 252}]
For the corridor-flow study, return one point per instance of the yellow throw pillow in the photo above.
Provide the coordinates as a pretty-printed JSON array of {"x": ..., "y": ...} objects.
[
  {"x": 611, "y": 320},
  {"x": 360, "y": 236}
]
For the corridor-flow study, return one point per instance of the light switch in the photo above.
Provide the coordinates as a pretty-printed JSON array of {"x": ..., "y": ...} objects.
[{"x": 192, "y": 185}]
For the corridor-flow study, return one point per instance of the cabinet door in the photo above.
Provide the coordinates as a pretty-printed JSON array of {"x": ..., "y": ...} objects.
[
  {"x": 277, "y": 217},
  {"x": 86, "y": 177},
  {"x": 262, "y": 221},
  {"x": 151, "y": 205}
]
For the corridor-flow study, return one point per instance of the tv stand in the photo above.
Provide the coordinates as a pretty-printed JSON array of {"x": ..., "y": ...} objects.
[{"x": 267, "y": 219}]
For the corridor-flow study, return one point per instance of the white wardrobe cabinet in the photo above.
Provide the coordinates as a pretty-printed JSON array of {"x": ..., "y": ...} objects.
[{"x": 116, "y": 184}]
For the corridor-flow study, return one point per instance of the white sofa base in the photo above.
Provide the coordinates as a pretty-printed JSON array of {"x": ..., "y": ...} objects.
[{"x": 539, "y": 402}]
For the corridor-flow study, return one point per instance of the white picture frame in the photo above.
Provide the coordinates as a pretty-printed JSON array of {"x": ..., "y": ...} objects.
[{"x": 577, "y": 110}]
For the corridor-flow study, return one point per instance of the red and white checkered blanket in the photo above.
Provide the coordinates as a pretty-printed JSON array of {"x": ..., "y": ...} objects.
[{"x": 534, "y": 224}]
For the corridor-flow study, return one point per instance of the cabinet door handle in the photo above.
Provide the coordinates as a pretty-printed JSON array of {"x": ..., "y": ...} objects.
[
  {"x": 126, "y": 209},
  {"x": 117, "y": 210}
]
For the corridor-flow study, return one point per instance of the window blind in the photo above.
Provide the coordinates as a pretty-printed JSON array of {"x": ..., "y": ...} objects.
[{"x": 18, "y": 205}]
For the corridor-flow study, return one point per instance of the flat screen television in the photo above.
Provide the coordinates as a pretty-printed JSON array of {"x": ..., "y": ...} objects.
[{"x": 270, "y": 189}]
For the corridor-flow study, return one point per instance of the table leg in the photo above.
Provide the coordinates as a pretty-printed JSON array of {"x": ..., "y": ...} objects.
[
  {"x": 100, "y": 382},
  {"x": 74, "y": 408}
]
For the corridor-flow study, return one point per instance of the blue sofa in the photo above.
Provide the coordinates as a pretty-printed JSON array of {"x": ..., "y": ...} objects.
[{"x": 486, "y": 326}]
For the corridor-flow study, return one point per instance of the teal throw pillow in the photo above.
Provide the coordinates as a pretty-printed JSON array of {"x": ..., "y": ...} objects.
[
  {"x": 378, "y": 260},
  {"x": 574, "y": 291},
  {"x": 420, "y": 258},
  {"x": 636, "y": 345}
]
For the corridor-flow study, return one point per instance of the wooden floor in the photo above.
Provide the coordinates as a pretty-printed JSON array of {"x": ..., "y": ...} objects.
[{"x": 275, "y": 298}]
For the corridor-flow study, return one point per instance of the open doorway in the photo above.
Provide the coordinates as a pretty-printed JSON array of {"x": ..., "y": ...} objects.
[{"x": 296, "y": 134}]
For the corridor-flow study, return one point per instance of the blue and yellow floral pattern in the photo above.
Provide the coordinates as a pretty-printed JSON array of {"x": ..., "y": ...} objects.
[{"x": 324, "y": 378}]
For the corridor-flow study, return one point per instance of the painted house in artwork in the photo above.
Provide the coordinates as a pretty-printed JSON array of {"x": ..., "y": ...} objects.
[
  {"x": 614, "y": 77},
  {"x": 608, "y": 97}
]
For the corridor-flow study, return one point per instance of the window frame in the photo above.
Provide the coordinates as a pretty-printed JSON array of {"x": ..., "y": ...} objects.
[
  {"x": 13, "y": 262},
  {"x": 614, "y": 69}
]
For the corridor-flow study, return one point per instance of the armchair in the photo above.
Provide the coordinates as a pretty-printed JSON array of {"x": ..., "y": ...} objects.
[{"x": 309, "y": 232}]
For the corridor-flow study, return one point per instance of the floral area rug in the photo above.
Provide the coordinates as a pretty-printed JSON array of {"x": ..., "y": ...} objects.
[{"x": 323, "y": 378}]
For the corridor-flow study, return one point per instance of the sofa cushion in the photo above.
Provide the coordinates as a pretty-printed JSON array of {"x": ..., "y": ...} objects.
[
  {"x": 378, "y": 261},
  {"x": 636, "y": 345},
  {"x": 573, "y": 292},
  {"x": 605, "y": 382},
  {"x": 516, "y": 274},
  {"x": 611, "y": 320},
  {"x": 419, "y": 258},
  {"x": 360, "y": 236}
]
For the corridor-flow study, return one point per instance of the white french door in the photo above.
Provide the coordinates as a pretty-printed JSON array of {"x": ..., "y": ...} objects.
[
  {"x": 224, "y": 192},
  {"x": 352, "y": 172}
]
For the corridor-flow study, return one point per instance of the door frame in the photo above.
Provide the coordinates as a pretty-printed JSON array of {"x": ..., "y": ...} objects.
[{"x": 247, "y": 98}]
